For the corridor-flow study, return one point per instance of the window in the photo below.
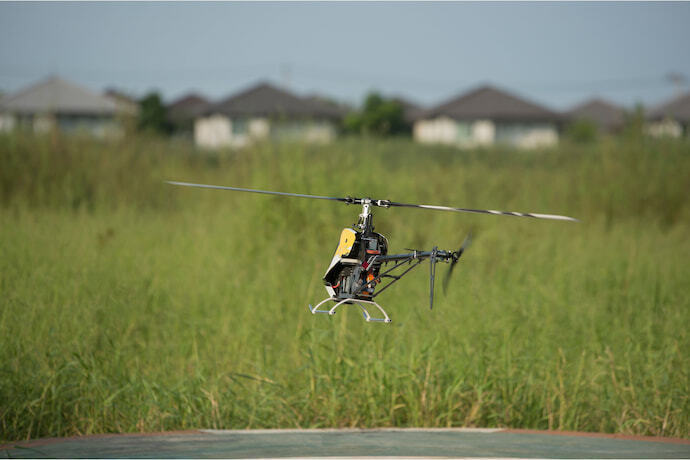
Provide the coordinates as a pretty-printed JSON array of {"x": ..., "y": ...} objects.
[
  {"x": 239, "y": 127},
  {"x": 463, "y": 131}
]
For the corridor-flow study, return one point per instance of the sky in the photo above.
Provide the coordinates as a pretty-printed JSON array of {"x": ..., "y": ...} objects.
[{"x": 557, "y": 54}]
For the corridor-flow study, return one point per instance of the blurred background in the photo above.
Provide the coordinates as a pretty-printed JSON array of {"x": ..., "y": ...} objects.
[
  {"x": 529, "y": 69},
  {"x": 129, "y": 305}
]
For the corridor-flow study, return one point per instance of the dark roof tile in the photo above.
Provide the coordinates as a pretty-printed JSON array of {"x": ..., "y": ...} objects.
[
  {"x": 265, "y": 100},
  {"x": 492, "y": 103},
  {"x": 187, "y": 107},
  {"x": 604, "y": 113}
]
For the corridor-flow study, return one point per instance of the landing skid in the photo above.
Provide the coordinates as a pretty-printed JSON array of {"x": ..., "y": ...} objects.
[{"x": 359, "y": 302}]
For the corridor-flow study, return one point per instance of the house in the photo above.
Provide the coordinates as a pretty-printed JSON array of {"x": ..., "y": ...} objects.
[
  {"x": 607, "y": 117},
  {"x": 411, "y": 111},
  {"x": 58, "y": 104},
  {"x": 183, "y": 111},
  {"x": 337, "y": 108},
  {"x": 671, "y": 118},
  {"x": 486, "y": 116},
  {"x": 126, "y": 105},
  {"x": 265, "y": 112}
]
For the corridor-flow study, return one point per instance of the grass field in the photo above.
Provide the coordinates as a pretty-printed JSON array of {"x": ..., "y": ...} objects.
[{"x": 130, "y": 305}]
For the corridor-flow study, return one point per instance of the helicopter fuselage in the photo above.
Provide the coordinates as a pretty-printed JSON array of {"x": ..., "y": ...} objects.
[{"x": 355, "y": 265}]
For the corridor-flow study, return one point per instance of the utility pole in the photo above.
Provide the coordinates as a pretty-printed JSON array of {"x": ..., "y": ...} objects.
[{"x": 678, "y": 81}]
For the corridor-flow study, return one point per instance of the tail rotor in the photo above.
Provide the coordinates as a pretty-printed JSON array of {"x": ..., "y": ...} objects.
[{"x": 456, "y": 256}]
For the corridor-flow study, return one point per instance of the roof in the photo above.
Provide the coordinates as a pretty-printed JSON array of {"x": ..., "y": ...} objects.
[
  {"x": 123, "y": 101},
  {"x": 604, "y": 113},
  {"x": 265, "y": 100},
  {"x": 55, "y": 95},
  {"x": 677, "y": 108},
  {"x": 328, "y": 106},
  {"x": 187, "y": 107},
  {"x": 491, "y": 103},
  {"x": 116, "y": 94},
  {"x": 411, "y": 111}
]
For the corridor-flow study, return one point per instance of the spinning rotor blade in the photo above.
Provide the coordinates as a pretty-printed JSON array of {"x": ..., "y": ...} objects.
[
  {"x": 379, "y": 203},
  {"x": 484, "y": 211},
  {"x": 456, "y": 256},
  {"x": 237, "y": 189}
]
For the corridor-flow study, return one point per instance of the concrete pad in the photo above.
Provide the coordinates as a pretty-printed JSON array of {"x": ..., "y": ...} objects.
[{"x": 352, "y": 443}]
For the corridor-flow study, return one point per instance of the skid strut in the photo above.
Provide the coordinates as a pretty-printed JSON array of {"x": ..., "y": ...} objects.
[{"x": 359, "y": 302}]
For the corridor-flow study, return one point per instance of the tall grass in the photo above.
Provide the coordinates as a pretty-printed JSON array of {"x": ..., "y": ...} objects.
[{"x": 130, "y": 305}]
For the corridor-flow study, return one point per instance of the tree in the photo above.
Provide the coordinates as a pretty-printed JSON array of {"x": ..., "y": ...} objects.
[
  {"x": 582, "y": 131},
  {"x": 634, "y": 123},
  {"x": 152, "y": 115},
  {"x": 379, "y": 117}
]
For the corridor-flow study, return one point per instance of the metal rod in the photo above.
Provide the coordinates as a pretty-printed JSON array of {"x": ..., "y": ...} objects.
[
  {"x": 381, "y": 275},
  {"x": 396, "y": 279},
  {"x": 416, "y": 255},
  {"x": 432, "y": 272}
]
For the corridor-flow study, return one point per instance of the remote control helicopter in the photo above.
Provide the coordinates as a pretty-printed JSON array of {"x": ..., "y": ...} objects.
[{"x": 359, "y": 269}]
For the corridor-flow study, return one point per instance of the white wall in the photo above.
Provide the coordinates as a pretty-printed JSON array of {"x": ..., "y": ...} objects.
[
  {"x": 213, "y": 132},
  {"x": 444, "y": 130},
  {"x": 100, "y": 127},
  {"x": 664, "y": 128},
  {"x": 312, "y": 131},
  {"x": 483, "y": 133},
  {"x": 540, "y": 136},
  {"x": 441, "y": 130},
  {"x": 527, "y": 135},
  {"x": 220, "y": 131},
  {"x": 96, "y": 126},
  {"x": 319, "y": 132},
  {"x": 259, "y": 128},
  {"x": 7, "y": 122}
]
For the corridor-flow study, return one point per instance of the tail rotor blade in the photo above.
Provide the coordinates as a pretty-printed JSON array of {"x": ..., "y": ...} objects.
[
  {"x": 465, "y": 244},
  {"x": 456, "y": 256}
]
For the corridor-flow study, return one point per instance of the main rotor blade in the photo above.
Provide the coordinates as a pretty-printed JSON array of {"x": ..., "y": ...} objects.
[
  {"x": 484, "y": 211},
  {"x": 380, "y": 203},
  {"x": 266, "y": 192}
]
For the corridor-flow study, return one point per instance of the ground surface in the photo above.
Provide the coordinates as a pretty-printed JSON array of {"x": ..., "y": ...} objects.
[{"x": 352, "y": 443}]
